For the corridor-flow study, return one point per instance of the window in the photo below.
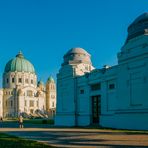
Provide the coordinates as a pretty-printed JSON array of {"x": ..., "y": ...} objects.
[
  {"x": 86, "y": 67},
  {"x": 11, "y": 103},
  {"x": 25, "y": 102},
  {"x": 111, "y": 86},
  {"x": 20, "y": 80},
  {"x": 82, "y": 91},
  {"x": 29, "y": 93},
  {"x": 52, "y": 104},
  {"x": 31, "y": 81},
  {"x": 7, "y": 80},
  {"x": 26, "y": 81},
  {"x": 31, "y": 103},
  {"x": 96, "y": 86},
  {"x": 6, "y": 103},
  {"x": 52, "y": 87},
  {"x": 12, "y": 80}
]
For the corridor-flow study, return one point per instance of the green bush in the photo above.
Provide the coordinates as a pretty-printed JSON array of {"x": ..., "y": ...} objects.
[
  {"x": 40, "y": 121},
  {"x": 44, "y": 121}
]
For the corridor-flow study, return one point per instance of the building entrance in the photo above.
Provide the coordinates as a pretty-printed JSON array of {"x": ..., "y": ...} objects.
[{"x": 96, "y": 108}]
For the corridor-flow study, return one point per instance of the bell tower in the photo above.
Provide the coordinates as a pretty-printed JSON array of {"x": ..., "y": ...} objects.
[{"x": 50, "y": 96}]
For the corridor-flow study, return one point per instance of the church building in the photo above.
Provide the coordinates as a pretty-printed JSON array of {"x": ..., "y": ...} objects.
[
  {"x": 22, "y": 94},
  {"x": 113, "y": 96}
]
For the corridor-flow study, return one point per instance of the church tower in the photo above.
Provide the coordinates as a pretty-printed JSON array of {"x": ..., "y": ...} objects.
[{"x": 50, "y": 96}]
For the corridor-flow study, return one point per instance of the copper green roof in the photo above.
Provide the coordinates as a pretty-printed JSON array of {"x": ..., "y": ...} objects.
[
  {"x": 19, "y": 64},
  {"x": 50, "y": 79}
]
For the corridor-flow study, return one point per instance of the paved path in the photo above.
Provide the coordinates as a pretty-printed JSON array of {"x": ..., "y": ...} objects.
[{"x": 81, "y": 138}]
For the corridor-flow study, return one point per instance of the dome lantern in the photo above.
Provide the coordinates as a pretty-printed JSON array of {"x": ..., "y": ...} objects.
[{"x": 20, "y": 54}]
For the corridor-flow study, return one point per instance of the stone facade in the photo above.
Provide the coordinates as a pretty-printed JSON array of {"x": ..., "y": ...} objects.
[{"x": 116, "y": 96}]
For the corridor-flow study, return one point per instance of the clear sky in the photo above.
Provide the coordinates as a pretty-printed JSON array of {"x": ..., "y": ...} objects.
[{"x": 44, "y": 30}]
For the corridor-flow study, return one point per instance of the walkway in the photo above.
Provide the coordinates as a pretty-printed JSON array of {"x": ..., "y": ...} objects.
[{"x": 81, "y": 138}]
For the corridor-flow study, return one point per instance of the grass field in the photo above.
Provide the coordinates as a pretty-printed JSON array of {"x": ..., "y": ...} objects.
[
  {"x": 33, "y": 121},
  {"x": 7, "y": 141},
  {"x": 39, "y": 121}
]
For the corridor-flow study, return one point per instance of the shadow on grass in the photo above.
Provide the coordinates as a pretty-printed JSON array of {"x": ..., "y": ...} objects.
[{"x": 7, "y": 141}]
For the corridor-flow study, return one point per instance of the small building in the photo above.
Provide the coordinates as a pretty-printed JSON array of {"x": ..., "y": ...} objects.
[{"x": 113, "y": 96}]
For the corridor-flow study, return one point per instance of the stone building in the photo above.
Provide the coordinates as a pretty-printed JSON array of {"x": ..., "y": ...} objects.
[
  {"x": 21, "y": 93},
  {"x": 113, "y": 96}
]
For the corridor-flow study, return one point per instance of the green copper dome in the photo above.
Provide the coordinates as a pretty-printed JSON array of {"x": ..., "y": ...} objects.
[{"x": 19, "y": 64}]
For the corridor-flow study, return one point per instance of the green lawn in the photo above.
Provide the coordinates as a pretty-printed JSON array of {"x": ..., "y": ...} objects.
[
  {"x": 39, "y": 121},
  {"x": 7, "y": 141},
  {"x": 33, "y": 121}
]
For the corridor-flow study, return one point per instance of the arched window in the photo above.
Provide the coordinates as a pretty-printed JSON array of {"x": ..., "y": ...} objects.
[
  {"x": 7, "y": 80},
  {"x": 26, "y": 81},
  {"x": 31, "y": 81},
  {"x": 12, "y": 80}
]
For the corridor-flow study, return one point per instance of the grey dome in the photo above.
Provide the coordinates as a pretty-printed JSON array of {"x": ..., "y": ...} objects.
[
  {"x": 139, "y": 26},
  {"x": 77, "y": 55},
  {"x": 77, "y": 50}
]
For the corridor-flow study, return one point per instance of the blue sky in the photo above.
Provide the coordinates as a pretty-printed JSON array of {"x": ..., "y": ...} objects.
[{"x": 46, "y": 29}]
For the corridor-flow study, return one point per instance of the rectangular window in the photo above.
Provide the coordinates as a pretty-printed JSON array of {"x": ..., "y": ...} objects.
[
  {"x": 52, "y": 104},
  {"x": 96, "y": 86},
  {"x": 29, "y": 93},
  {"x": 20, "y": 80},
  {"x": 25, "y": 102},
  {"x": 7, "y": 80},
  {"x": 111, "y": 86},
  {"x": 11, "y": 103},
  {"x": 31, "y": 103},
  {"x": 82, "y": 91},
  {"x": 12, "y": 80},
  {"x": 31, "y": 81},
  {"x": 26, "y": 81}
]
